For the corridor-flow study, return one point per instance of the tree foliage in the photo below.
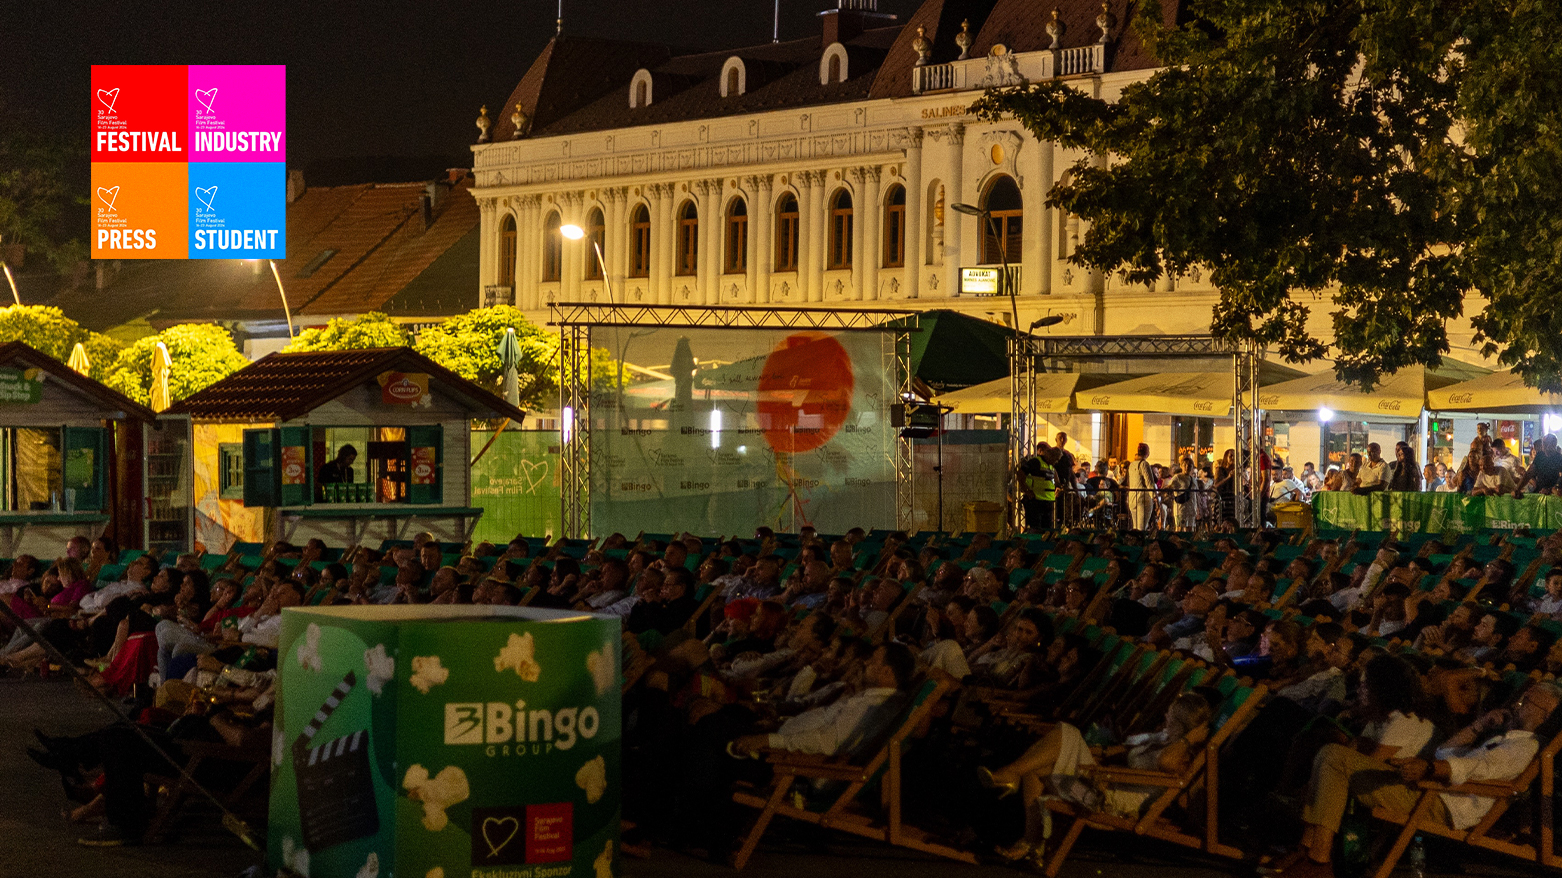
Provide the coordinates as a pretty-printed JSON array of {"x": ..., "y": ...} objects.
[
  {"x": 46, "y": 329},
  {"x": 36, "y": 191},
  {"x": 467, "y": 344},
  {"x": 202, "y": 354},
  {"x": 1392, "y": 154},
  {"x": 372, "y": 330}
]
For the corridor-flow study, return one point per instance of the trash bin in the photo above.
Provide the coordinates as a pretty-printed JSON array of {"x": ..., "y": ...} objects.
[
  {"x": 452, "y": 740},
  {"x": 983, "y": 516},
  {"x": 1292, "y": 515}
]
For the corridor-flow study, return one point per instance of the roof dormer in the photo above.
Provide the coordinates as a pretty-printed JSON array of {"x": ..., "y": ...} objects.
[
  {"x": 640, "y": 89},
  {"x": 832, "y": 65},
  {"x": 734, "y": 77}
]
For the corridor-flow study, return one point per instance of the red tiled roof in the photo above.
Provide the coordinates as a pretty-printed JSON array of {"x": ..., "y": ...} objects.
[
  {"x": 1021, "y": 26},
  {"x": 285, "y": 387},
  {"x": 941, "y": 20},
  {"x": 17, "y": 354}
]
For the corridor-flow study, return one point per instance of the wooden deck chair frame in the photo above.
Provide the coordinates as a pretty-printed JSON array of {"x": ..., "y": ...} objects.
[
  {"x": 1203, "y": 771},
  {"x": 884, "y": 765},
  {"x": 179, "y": 787},
  {"x": 1505, "y": 794}
]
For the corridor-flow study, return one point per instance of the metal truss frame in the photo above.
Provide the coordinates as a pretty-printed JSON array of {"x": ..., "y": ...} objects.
[
  {"x": 575, "y": 320},
  {"x": 1030, "y": 354}
]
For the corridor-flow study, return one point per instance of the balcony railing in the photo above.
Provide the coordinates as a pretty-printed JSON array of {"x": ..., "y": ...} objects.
[
  {"x": 998, "y": 71},
  {"x": 498, "y": 294}
]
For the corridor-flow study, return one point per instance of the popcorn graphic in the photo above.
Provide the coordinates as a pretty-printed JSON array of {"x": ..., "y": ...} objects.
[
  {"x": 592, "y": 777},
  {"x": 295, "y": 856},
  {"x": 428, "y": 672},
  {"x": 604, "y": 861},
  {"x": 521, "y": 654},
  {"x": 436, "y": 872},
  {"x": 309, "y": 650},
  {"x": 371, "y": 867},
  {"x": 602, "y": 668},
  {"x": 436, "y": 793},
  {"x": 381, "y": 667}
]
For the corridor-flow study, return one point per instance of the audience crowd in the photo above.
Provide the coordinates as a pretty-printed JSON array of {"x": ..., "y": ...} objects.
[{"x": 1367, "y": 665}]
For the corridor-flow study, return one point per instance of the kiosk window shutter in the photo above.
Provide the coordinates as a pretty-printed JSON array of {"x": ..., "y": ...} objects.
[
  {"x": 262, "y": 481},
  {"x": 426, "y": 446},
  {"x": 85, "y": 450},
  {"x": 296, "y": 460}
]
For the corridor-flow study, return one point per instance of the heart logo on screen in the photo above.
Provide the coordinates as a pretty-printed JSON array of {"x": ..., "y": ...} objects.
[
  {"x": 107, "y": 196},
  {"x": 206, "y": 97},
  {"x": 108, "y": 97},
  {"x": 493, "y": 828},
  {"x": 534, "y": 471},
  {"x": 205, "y": 196}
]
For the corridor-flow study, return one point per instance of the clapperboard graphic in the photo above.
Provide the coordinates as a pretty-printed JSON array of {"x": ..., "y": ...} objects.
[{"x": 335, "y": 782}]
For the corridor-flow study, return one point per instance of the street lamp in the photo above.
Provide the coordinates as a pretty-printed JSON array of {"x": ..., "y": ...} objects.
[
  {"x": 286, "y": 311},
  {"x": 1049, "y": 320},
  {"x": 575, "y": 233},
  {"x": 14, "y": 294}
]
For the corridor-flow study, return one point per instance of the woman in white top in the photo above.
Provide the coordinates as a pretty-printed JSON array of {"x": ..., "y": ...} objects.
[{"x": 1141, "y": 489}]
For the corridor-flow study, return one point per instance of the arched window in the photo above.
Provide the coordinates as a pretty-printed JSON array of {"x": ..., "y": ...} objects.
[
  {"x": 736, "y": 261},
  {"x": 688, "y": 240},
  {"x": 640, "y": 242},
  {"x": 732, "y": 82},
  {"x": 786, "y": 233},
  {"x": 834, "y": 74},
  {"x": 1001, "y": 240},
  {"x": 507, "y": 251},
  {"x": 840, "y": 230},
  {"x": 596, "y": 238},
  {"x": 895, "y": 228},
  {"x": 552, "y": 249}
]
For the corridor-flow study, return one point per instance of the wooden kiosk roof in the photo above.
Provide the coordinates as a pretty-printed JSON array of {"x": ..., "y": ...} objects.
[
  {"x": 285, "y": 387},
  {"x": 16, "y": 354}
]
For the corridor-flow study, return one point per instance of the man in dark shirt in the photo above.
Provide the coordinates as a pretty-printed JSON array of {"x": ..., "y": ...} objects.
[
  {"x": 336, "y": 472},
  {"x": 1068, "y": 486},
  {"x": 1545, "y": 471}
]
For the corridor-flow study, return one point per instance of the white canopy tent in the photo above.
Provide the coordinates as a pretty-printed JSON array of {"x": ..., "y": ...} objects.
[
  {"x": 1499, "y": 393},
  {"x": 1199, "y": 394},
  {"x": 1054, "y": 392}
]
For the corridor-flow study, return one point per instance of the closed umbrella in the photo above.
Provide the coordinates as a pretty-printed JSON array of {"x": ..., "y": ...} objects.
[
  {"x": 79, "y": 360},
  {"x": 162, "y": 364},
  {"x": 509, "y": 352}
]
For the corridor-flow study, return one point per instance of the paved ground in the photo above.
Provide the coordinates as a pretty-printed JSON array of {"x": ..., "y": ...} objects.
[{"x": 39, "y": 844}]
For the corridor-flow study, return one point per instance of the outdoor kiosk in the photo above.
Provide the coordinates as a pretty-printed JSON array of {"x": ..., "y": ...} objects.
[
  {"x": 69, "y": 456},
  {"x": 348, "y": 446}
]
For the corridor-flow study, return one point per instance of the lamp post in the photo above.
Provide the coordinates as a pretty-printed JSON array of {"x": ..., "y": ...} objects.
[
  {"x": 11, "y": 280},
  {"x": 286, "y": 311}
]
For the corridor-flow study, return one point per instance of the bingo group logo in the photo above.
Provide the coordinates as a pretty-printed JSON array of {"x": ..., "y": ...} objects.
[{"x": 188, "y": 162}]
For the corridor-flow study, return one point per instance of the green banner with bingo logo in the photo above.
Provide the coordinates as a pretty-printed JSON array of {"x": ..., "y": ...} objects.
[{"x": 446, "y": 742}]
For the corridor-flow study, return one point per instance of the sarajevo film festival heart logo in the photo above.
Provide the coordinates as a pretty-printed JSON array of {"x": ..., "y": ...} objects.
[
  {"x": 205, "y": 196},
  {"x": 206, "y": 97},
  {"x": 534, "y": 471},
  {"x": 493, "y": 828},
  {"x": 107, "y": 196},
  {"x": 108, "y": 97}
]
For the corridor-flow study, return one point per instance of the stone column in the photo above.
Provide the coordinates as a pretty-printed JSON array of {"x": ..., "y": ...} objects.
[
  {"x": 916, "y": 255},
  {"x": 808, "y": 262},
  {"x": 824, "y": 187},
  {"x": 1035, "y": 167},
  {"x": 615, "y": 236},
  {"x": 528, "y": 240},
  {"x": 862, "y": 208},
  {"x": 955, "y": 224},
  {"x": 871, "y": 216},
  {"x": 711, "y": 222},
  {"x": 761, "y": 238},
  {"x": 662, "y": 234},
  {"x": 572, "y": 265}
]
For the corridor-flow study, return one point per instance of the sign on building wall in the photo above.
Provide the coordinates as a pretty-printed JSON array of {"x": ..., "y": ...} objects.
[{"x": 188, "y": 162}]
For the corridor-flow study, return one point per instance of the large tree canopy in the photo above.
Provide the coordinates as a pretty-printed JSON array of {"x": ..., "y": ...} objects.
[
  {"x": 372, "y": 330},
  {"x": 46, "y": 329},
  {"x": 1393, "y": 153},
  {"x": 201, "y": 353}
]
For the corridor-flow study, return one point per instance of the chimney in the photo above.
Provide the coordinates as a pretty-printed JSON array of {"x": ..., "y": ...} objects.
[
  {"x": 426, "y": 207},
  {"x": 295, "y": 185},
  {"x": 850, "y": 18},
  {"x": 431, "y": 193}
]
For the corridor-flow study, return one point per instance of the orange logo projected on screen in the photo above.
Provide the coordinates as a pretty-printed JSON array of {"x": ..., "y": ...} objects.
[{"x": 805, "y": 392}]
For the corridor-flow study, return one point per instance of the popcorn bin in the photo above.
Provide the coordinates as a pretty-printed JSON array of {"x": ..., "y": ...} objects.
[{"x": 446, "y": 742}]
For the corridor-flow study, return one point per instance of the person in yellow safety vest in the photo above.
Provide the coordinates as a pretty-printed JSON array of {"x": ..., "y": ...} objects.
[{"x": 1039, "y": 486}]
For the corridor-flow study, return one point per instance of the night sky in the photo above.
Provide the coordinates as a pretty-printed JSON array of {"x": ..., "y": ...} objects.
[{"x": 385, "y": 78}]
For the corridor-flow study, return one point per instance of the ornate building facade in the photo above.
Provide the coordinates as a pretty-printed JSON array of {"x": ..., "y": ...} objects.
[{"x": 821, "y": 171}]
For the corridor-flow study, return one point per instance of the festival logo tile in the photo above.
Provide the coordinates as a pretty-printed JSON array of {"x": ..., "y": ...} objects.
[
  {"x": 139, "y": 113},
  {"x": 237, "y": 210},
  {"x": 237, "y": 113},
  {"x": 137, "y": 211}
]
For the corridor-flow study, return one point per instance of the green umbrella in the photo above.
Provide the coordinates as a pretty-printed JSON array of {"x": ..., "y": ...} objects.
[{"x": 509, "y": 352}]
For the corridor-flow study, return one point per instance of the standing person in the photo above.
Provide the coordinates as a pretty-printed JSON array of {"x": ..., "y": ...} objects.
[
  {"x": 1470, "y": 467},
  {"x": 1038, "y": 494},
  {"x": 1493, "y": 479},
  {"x": 1182, "y": 488},
  {"x": 1068, "y": 485},
  {"x": 1141, "y": 488},
  {"x": 1350, "y": 475},
  {"x": 1101, "y": 495},
  {"x": 1226, "y": 484},
  {"x": 1404, "y": 474},
  {"x": 1373, "y": 475},
  {"x": 1310, "y": 478},
  {"x": 1430, "y": 480},
  {"x": 1545, "y": 468}
]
